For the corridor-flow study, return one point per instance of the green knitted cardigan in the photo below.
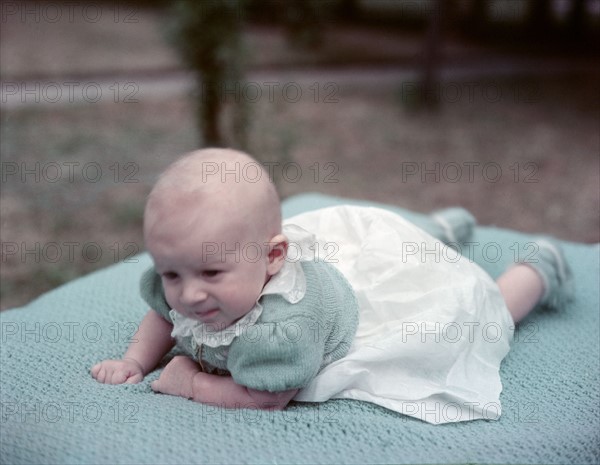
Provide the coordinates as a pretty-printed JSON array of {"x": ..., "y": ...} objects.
[{"x": 289, "y": 343}]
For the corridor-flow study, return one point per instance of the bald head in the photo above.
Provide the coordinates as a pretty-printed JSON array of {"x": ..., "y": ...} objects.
[{"x": 216, "y": 183}]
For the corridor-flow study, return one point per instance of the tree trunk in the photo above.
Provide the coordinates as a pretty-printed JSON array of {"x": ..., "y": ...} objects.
[
  {"x": 209, "y": 109},
  {"x": 576, "y": 20},
  {"x": 432, "y": 56},
  {"x": 539, "y": 17}
]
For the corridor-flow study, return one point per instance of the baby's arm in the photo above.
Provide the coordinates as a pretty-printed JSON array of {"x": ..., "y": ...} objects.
[
  {"x": 150, "y": 344},
  {"x": 182, "y": 377},
  {"x": 224, "y": 392}
]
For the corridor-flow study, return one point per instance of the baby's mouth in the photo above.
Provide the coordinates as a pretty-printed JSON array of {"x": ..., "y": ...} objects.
[{"x": 207, "y": 313}]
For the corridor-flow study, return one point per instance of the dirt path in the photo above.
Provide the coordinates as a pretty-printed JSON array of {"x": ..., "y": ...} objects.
[{"x": 137, "y": 86}]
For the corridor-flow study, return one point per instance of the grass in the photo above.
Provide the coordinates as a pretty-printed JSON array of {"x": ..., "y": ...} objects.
[
  {"x": 363, "y": 146},
  {"x": 77, "y": 175}
]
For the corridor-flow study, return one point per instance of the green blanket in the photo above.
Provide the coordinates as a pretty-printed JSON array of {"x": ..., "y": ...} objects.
[{"x": 54, "y": 412}]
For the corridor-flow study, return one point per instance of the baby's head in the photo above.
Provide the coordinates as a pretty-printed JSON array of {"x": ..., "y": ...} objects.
[{"x": 213, "y": 227}]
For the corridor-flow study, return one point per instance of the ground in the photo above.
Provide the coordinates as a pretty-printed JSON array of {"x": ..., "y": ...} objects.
[{"x": 514, "y": 140}]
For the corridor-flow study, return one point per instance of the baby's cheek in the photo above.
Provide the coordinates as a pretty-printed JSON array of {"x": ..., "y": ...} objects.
[
  {"x": 251, "y": 296},
  {"x": 170, "y": 296}
]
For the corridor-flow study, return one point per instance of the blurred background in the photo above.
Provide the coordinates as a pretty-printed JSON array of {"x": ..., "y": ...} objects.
[{"x": 491, "y": 105}]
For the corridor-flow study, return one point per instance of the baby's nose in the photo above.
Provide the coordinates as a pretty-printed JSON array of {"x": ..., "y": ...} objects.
[{"x": 193, "y": 293}]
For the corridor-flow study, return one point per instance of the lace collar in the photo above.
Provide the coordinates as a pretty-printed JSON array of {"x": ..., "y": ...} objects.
[{"x": 289, "y": 282}]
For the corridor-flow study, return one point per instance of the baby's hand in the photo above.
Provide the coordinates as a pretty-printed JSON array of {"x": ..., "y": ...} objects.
[
  {"x": 177, "y": 379},
  {"x": 118, "y": 371}
]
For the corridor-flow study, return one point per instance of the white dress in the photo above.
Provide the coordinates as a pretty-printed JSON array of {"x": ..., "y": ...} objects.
[{"x": 433, "y": 326}]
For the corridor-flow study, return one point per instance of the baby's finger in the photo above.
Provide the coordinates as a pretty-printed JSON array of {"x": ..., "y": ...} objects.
[
  {"x": 134, "y": 379},
  {"x": 118, "y": 377},
  {"x": 155, "y": 385},
  {"x": 95, "y": 369},
  {"x": 101, "y": 375}
]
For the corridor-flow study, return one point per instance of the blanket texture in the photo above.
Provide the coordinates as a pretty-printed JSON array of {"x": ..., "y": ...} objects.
[{"x": 54, "y": 412}]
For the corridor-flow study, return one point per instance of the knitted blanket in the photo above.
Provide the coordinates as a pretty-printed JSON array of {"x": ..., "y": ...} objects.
[{"x": 54, "y": 412}]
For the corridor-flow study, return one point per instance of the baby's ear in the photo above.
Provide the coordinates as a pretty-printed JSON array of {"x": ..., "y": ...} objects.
[{"x": 277, "y": 252}]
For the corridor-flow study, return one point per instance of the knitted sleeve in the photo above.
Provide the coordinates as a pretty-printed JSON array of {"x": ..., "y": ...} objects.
[
  {"x": 277, "y": 355},
  {"x": 152, "y": 292},
  {"x": 290, "y": 343}
]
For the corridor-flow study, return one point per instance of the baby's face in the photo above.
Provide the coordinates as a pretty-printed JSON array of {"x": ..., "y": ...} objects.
[{"x": 213, "y": 267}]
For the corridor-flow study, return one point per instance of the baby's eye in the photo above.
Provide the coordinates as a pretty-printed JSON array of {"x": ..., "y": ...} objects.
[
  {"x": 210, "y": 273},
  {"x": 170, "y": 275}
]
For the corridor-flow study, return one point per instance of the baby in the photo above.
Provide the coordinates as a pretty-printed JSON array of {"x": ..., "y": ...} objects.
[
  {"x": 217, "y": 246},
  {"x": 258, "y": 328}
]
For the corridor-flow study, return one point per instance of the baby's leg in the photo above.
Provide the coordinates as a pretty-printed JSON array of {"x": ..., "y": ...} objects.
[
  {"x": 522, "y": 288},
  {"x": 546, "y": 280}
]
